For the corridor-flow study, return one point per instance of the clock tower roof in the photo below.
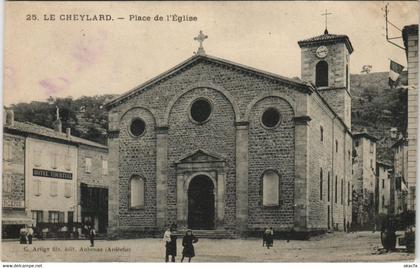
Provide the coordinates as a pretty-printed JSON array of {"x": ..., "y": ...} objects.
[{"x": 327, "y": 38}]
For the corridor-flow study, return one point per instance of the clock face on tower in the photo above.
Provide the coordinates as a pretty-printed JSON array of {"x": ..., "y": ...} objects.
[{"x": 322, "y": 52}]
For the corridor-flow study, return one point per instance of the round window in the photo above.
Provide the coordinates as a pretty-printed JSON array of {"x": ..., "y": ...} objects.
[
  {"x": 271, "y": 118},
  {"x": 137, "y": 127},
  {"x": 200, "y": 110}
]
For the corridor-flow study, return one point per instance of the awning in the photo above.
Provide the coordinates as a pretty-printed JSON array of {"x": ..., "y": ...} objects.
[{"x": 15, "y": 217}]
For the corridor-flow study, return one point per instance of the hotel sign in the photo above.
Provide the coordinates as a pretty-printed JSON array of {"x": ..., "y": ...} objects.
[{"x": 52, "y": 174}]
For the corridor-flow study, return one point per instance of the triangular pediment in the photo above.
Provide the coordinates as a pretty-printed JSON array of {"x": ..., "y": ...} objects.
[
  {"x": 201, "y": 156},
  {"x": 296, "y": 83}
]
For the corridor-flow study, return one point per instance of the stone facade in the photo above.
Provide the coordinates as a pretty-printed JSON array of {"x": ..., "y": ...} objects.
[
  {"x": 411, "y": 42},
  {"x": 232, "y": 148},
  {"x": 93, "y": 186},
  {"x": 364, "y": 180},
  {"x": 14, "y": 215},
  {"x": 13, "y": 194},
  {"x": 384, "y": 187},
  {"x": 46, "y": 170},
  {"x": 51, "y": 194},
  {"x": 399, "y": 184}
]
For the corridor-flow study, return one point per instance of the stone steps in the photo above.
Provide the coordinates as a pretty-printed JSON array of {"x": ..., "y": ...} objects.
[{"x": 214, "y": 234}]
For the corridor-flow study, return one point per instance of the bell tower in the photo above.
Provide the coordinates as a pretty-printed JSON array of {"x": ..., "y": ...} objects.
[{"x": 325, "y": 63}]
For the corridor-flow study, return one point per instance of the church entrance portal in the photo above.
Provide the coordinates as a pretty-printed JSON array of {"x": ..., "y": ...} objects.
[{"x": 201, "y": 203}]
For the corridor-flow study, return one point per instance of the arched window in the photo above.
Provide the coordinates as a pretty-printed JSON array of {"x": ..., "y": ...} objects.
[
  {"x": 271, "y": 188},
  {"x": 328, "y": 187},
  {"x": 347, "y": 75},
  {"x": 320, "y": 183},
  {"x": 321, "y": 75},
  {"x": 136, "y": 192}
]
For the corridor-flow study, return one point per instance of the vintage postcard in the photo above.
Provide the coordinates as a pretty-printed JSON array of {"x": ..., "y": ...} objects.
[{"x": 209, "y": 131}]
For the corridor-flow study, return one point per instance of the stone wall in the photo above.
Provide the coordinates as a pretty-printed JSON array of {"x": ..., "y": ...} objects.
[
  {"x": 138, "y": 156},
  {"x": 335, "y": 162},
  {"x": 412, "y": 60},
  {"x": 271, "y": 149},
  {"x": 13, "y": 194},
  {"x": 95, "y": 178},
  {"x": 364, "y": 178}
]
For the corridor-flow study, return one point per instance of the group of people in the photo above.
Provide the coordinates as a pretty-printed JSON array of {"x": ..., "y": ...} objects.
[
  {"x": 169, "y": 238},
  {"x": 26, "y": 234}
]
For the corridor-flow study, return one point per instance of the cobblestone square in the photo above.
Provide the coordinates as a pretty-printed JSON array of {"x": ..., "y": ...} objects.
[{"x": 338, "y": 247}]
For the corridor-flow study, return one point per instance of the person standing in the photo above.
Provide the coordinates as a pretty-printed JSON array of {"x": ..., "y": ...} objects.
[
  {"x": 30, "y": 234},
  {"x": 23, "y": 232},
  {"x": 92, "y": 234},
  {"x": 169, "y": 239},
  {"x": 264, "y": 237},
  {"x": 187, "y": 242},
  {"x": 269, "y": 233}
]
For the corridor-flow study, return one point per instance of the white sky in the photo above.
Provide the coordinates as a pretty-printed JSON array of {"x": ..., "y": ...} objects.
[{"x": 67, "y": 58}]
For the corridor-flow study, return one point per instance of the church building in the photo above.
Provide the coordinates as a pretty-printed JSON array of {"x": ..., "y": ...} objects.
[{"x": 218, "y": 146}]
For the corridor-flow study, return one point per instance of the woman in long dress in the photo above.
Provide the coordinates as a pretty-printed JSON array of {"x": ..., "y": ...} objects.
[{"x": 187, "y": 242}]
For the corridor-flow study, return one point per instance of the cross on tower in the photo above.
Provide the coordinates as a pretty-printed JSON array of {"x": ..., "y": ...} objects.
[
  {"x": 326, "y": 20},
  {"x": 200, "y": 38}
]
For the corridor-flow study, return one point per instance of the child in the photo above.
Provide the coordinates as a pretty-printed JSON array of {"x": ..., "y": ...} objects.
[{"x": 187, "y": 242}]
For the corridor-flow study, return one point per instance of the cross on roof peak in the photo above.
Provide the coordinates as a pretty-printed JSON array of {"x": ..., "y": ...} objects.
[
  {"x": 326, "y": 20},
  {"x": 200, "y": 38}
]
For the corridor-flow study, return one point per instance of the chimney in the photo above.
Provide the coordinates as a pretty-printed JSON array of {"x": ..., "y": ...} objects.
[
  {"x": 68, "y": 132},
  {"x": 10, "y": 117}
]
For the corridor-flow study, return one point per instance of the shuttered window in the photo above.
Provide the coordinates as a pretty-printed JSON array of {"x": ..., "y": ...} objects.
[
  {"x": 54, "y": 160},
  {"x": 37, "y": 157},
  {"x": 67, "y": 162},
  {"x": 37, "y": 187},
  {"x": 67, "y": 190},
  {"x": 53, "y": 216},
  {"x": 104, "y": 167},
  {"x": 88, "y": 163},
  {"x": 53, "y": 188}
]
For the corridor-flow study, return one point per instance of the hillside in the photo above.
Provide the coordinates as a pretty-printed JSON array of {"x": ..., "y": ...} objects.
[
  {"x": 84, "y": 115},
  {"x": 377, "y": 108}
]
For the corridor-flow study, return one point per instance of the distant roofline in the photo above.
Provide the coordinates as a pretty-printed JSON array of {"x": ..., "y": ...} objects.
[
  {"x": 364, "y": 135},
  {"x": 326, "y": 39},
  {"x": 36, "y": 130},
  {"x": 381, "y": 163}
]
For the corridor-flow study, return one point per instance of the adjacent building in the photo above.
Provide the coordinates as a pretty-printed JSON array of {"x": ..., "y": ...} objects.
[
  {"x": 14, "y": 214},
  {"x": 94, "y": 185},
  {"x": 364, "y": 180},
  {"x": 383, "y": 192},
  {"x": 52, "y": 180},
  {"x": 399, "y": 180},
  {"x": 410, "y": 36}
]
